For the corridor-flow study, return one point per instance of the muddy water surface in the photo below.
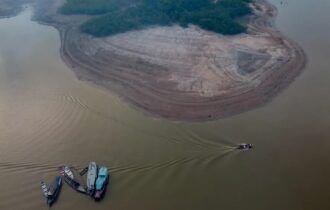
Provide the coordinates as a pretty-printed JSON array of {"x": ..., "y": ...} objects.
[{"x": 48, "y": 117}]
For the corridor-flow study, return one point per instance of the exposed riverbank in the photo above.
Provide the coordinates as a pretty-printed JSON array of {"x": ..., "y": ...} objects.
[{"x": 183, "y": 74}]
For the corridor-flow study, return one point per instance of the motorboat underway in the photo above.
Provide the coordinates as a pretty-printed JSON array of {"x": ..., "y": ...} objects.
[
  {"x": 69, "y": 178},
  {"x": 52, "y": 192},
  {"x": 244, "y": 146},
  {"x": 101, "y": 183},
  {"x": 91, "y": 178}
]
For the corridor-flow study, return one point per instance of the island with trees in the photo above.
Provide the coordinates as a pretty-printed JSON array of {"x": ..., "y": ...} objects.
[
  {"x": 120, "y": 16},
  {"x": 186, "y": 60}
]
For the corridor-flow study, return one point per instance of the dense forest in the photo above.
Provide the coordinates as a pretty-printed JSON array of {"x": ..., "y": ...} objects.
[{"x": 118, "y": 16}]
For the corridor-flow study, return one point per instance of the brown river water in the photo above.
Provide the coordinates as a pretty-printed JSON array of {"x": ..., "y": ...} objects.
[{"x": 48, "y": 117}]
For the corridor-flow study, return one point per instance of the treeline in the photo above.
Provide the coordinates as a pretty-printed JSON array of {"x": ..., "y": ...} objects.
[
  {"x": 93, "y": 7},
  {"x": 119, "y": 16}
]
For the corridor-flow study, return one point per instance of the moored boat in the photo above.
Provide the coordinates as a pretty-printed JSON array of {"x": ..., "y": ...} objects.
[
  {"x": 69, "y": 178},
  {"x": 91, "y": 178},
  {"x": 52, "y": 192},
  {"x": 66, "y": 171},
  {"x": 101, "y": 183}
]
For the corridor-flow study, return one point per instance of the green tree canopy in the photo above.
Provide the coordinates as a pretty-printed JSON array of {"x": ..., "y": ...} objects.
[{"x": 118, "y": 16}]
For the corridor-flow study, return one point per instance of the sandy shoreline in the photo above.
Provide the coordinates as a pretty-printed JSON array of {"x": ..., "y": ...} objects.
[{"x": 183, "y": 74}]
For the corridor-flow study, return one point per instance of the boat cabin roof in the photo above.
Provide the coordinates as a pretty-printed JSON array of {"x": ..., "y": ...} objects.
[{"x": 103, "y": 171}]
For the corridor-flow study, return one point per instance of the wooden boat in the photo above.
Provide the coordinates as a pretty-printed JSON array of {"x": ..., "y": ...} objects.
[
  {"x": 69, "y": 178},
  {"x": 91, "y": 178},
  {"x": 66, "y": 171},
  {"x": 53, "y": 191},
  {"x": 101, "y": 183}
]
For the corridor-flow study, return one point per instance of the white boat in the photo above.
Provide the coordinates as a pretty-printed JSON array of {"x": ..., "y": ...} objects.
[
  {"x": 91, "y": 177},
  {"x": 66, "y": 171}
]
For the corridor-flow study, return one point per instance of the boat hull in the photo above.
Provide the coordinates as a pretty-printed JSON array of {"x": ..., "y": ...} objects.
[
  {"x": 54, "y": 191},
  {"x": 99, "y": 194},
  {"x": 70, "y": 180},
  {"x": 91, "y": 178}
]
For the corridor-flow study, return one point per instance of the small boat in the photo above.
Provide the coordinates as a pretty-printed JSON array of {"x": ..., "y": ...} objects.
[
  {"x": 91, "y": 178},
  {"x": 244, "y": 146},
  {"x": 52, "y": 192},
  {"x": 101, "y": 183},
  {"x": 84, "y": 171},
  {"x": 66, "y": 171},
  {"x": 69, "y": 178}
]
